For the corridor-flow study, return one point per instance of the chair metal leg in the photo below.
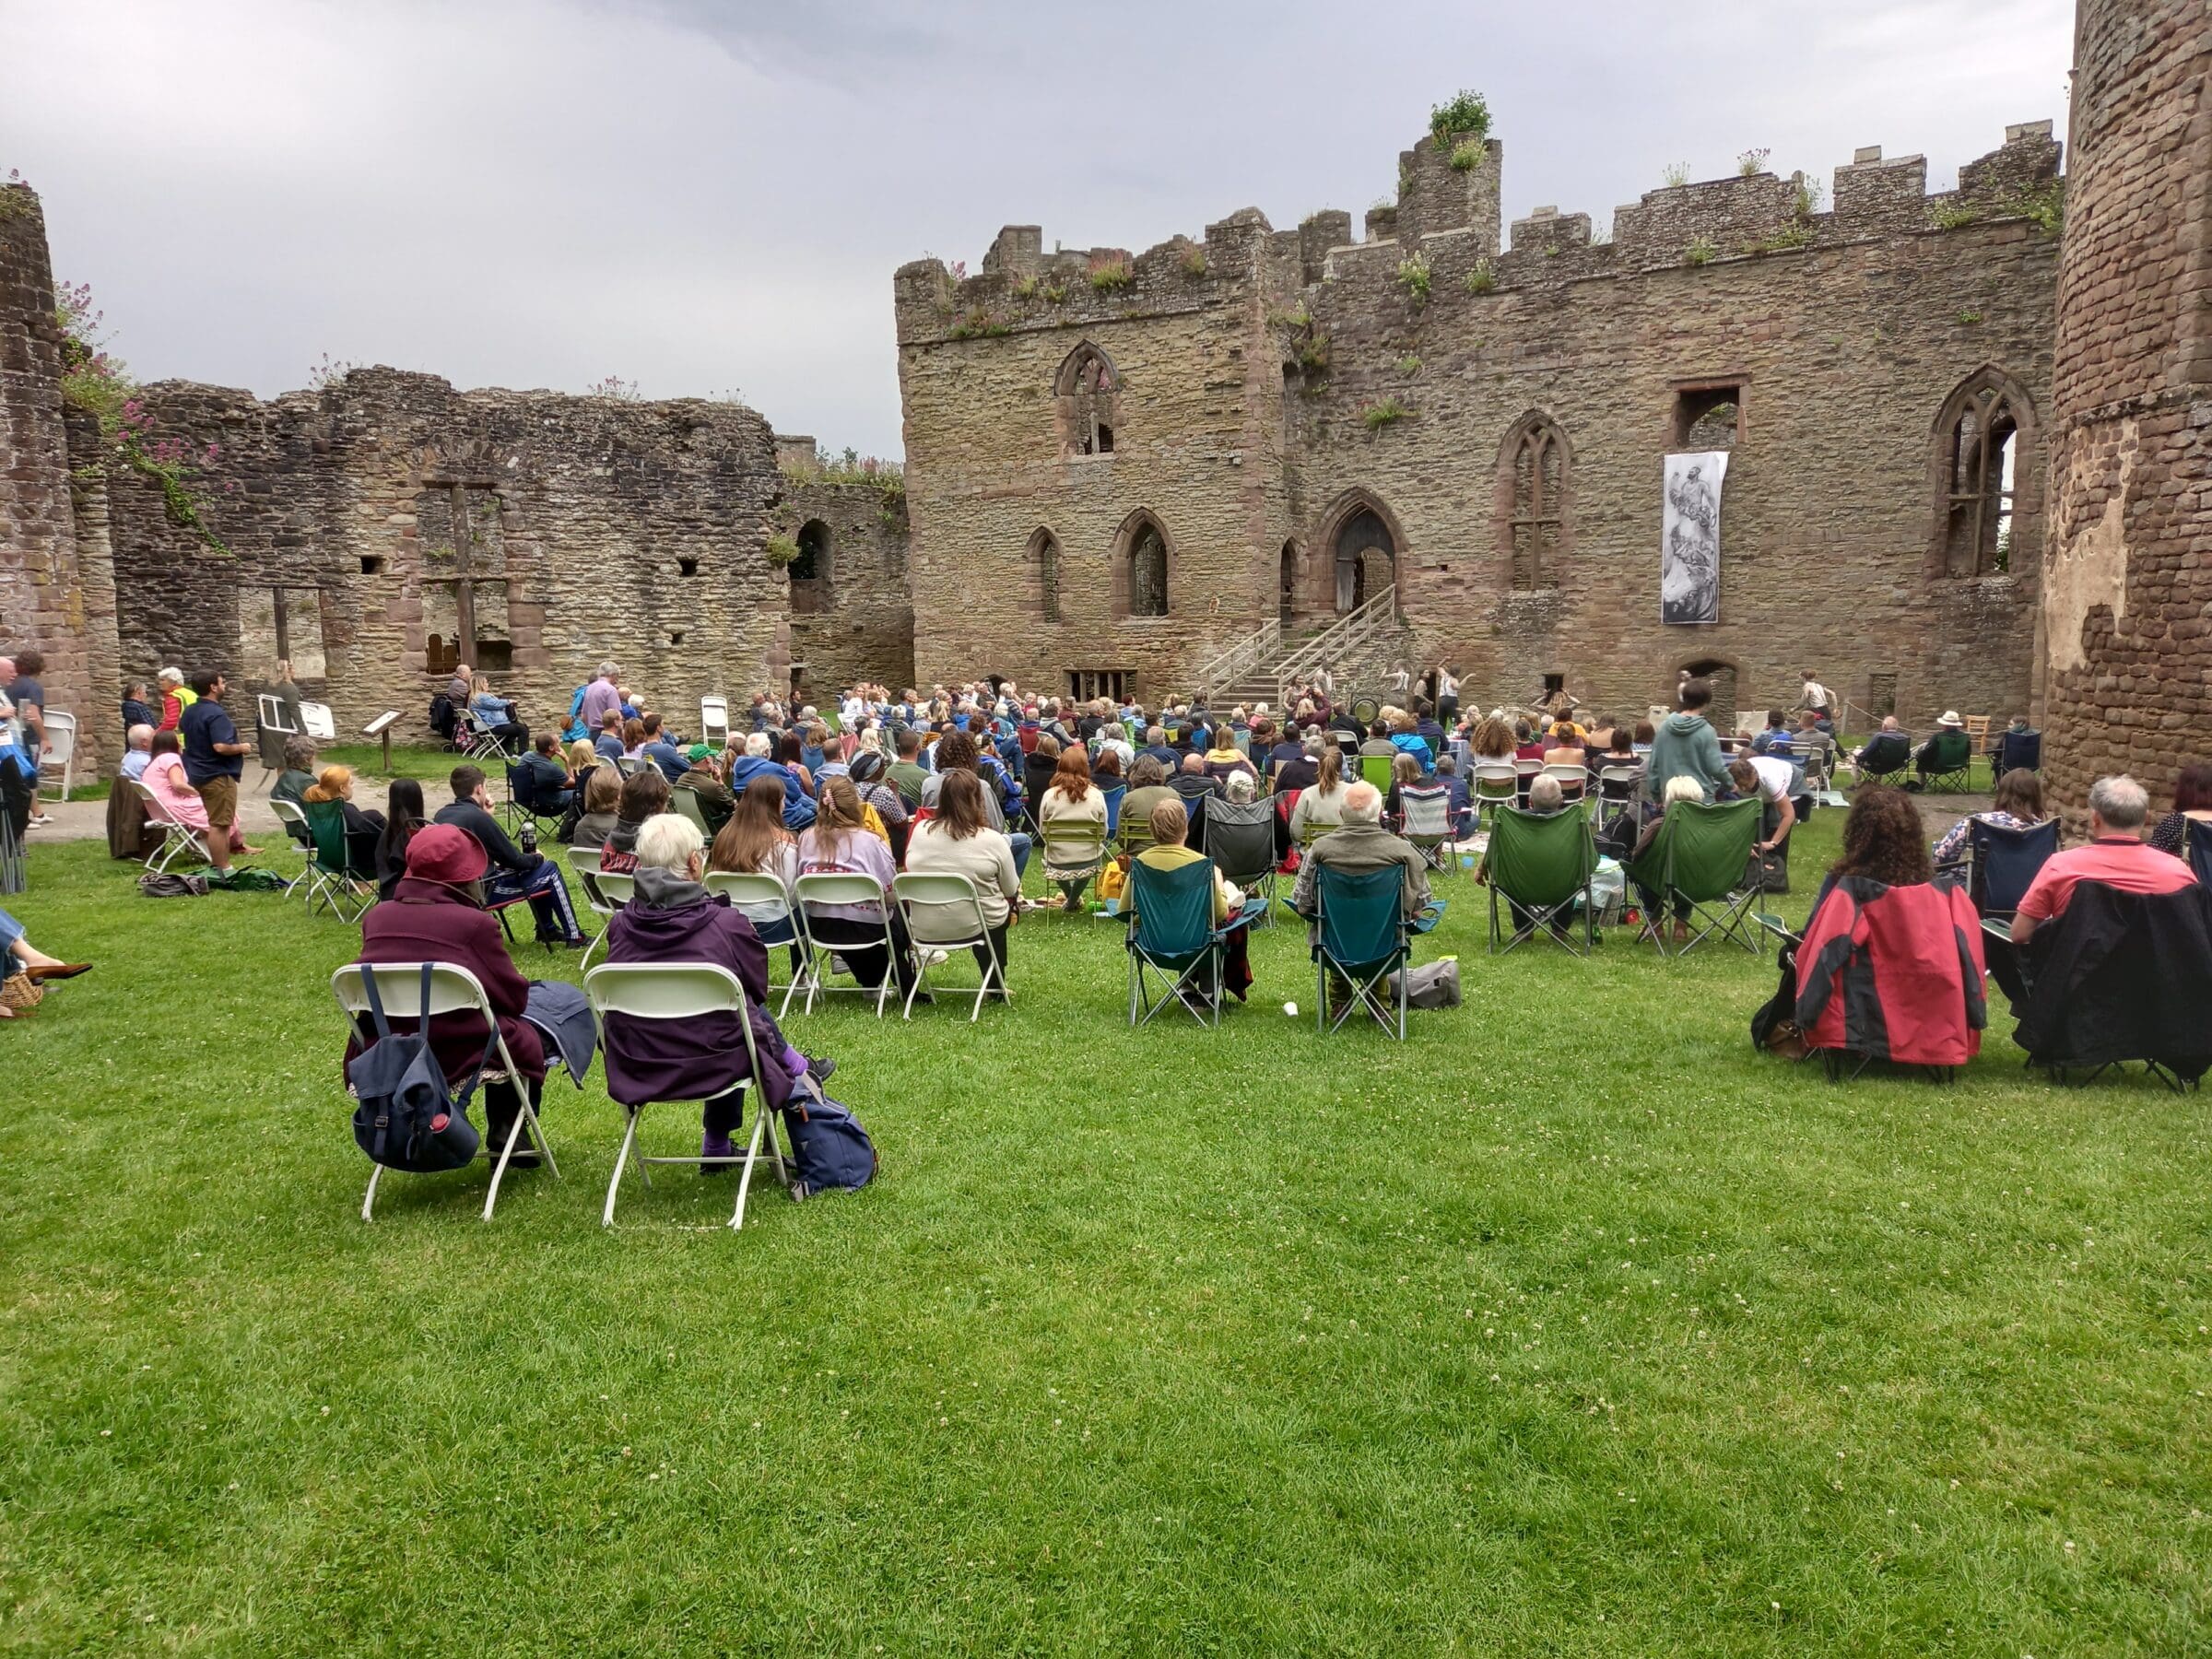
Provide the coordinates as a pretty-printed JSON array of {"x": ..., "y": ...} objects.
[
  {"x": 752, "y": 1156},
  {"x": 500, "y": 1172},
  {"x": 629, "y": 1140},
  {"x": 368, "y": 1198}
]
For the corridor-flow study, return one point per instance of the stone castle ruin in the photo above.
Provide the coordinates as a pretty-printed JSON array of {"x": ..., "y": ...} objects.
[{"x": 1963, "y": 441}]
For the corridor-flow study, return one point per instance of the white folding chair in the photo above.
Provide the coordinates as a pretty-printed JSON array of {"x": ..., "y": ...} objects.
[
  {"x": 1495, "y": 784},
  {"x": 760, "y": 887},
  {"x": 454, "y": 990},
  {"x": 679, "y": 990},
  {"x": 954, "y": 901},
  {"x": 714, "y": 720},
  {"x": 60, "y": 750},
  {"x": 315, "y": 718},
  {"x": 290, "y": 818},
  {"x": 603, "y": 891},
  {"x": 177, "y": 836},
  {"x": 629, "y": 766},
  {"x": 1574, "y": 781},
  {"x": 861, "y": 891},
  {"x": 270, "y": 716}
]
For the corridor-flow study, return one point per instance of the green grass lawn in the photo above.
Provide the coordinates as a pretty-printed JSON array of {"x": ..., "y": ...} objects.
[{"x": 1571, "y": 1326}]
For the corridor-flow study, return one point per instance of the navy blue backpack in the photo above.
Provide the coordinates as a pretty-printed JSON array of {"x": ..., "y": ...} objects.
[
  {"x": 407, "y": 1118},
  {"x": 828, "y": 1148}
]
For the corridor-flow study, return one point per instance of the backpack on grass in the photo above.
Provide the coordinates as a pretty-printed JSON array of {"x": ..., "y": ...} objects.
[
  {"x": 408, "y": 1119},
  {"x": 828, "y": 1147}
]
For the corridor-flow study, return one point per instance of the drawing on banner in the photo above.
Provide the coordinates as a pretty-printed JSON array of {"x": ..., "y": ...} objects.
[{"x": 1689, "y": 548}]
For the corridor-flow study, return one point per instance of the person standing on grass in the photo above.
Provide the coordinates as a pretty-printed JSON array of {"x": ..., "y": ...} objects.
[
  {"x": 19, "y": 680},
  {"x": 214, "y": 762}
]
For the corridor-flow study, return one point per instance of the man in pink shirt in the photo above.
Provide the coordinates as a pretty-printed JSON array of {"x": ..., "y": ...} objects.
[
  {"x": 600, "y": 696},
  {"x": 2116, "y": 856}
]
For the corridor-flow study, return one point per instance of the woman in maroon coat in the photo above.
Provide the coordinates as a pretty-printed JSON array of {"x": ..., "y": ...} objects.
[
  {"x": 435, "y": 915},
  {"x": 672, "y": 918}
]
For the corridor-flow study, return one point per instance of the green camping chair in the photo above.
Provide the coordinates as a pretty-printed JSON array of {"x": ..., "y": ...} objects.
[
  {"x": 1359, "y": 936},
  {"x": 344, "y": 877},
  {"x": 1172, "y": 938},
  {"x": 1540, "y": 865},
  {"x": 1375, "y": 770},
  {"x": 1700, "y": 855},
  {"x": 1951, "y": 766}
]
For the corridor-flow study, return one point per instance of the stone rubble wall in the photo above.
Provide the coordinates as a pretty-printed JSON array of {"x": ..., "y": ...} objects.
[
  {"x": 2127, "y": 603},
  {"x": 57, "y": 591}
]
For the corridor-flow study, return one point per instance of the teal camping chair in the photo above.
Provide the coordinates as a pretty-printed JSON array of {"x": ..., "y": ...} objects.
[
  {"x": 1172, "y": 940},
  {"x": 1540, "y": 864},
  {"x": 1359, "y": 936},
  {"x": 1700, "y": 855},
  {"x": 1951, "y": 763},
  {"x": 344, "y": 866}
]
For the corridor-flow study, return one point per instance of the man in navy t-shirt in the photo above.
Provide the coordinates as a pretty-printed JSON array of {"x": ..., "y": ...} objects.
[{"x": 214, "y": 762}]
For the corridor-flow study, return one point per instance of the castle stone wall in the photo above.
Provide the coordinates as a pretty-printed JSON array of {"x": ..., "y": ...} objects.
[
  {"x": 2128, "y": 579},
  {"x": 1271, "y": 386},
  {"x": 56, "y": 591}
]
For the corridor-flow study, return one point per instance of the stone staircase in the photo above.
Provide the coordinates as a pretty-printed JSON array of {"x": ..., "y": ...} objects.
[{"x": 1357, "y": 649}]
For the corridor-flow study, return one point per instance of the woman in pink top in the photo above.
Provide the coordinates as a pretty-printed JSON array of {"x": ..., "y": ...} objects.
[
  {"x": 838, "y": 843},
  {"x": 164, "y": 775}
]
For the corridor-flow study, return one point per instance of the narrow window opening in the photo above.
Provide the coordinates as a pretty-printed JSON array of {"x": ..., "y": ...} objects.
[
  {"x": 1105, "y": 439},
  {"x": 373, "y": 564},
  {"x": 675, "y": 638},
  {"x": 1087, "y": 684},
  {"x": 687, "y": 567},
  {"x": 1148, "y": 574},
  {"x": 1708, "y": 417},
  {"x": 1540, "y": 465},
  {"x": 1981, "y": 452}
]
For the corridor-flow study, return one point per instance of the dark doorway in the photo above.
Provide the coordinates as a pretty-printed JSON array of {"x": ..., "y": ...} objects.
[
  {"x": 1366, "y": 558},
  {"x": 1287, "y": 589},
  {"x": 1722, "y": 712}
]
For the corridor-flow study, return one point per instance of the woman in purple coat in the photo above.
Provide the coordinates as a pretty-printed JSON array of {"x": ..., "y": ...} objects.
[
  {"x": 672, "y": 918},
  {"x": 435, "y": 915}
]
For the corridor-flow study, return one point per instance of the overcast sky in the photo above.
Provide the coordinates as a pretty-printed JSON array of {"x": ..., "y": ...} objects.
[{"x": 707, "y": 194}]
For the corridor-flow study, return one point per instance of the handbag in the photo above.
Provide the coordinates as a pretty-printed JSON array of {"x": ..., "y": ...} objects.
[{"x": 21, "y": 994}]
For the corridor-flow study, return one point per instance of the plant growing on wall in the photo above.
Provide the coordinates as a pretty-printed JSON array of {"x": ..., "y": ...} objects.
[
  {"x": 978, "y": 321},
  {"x": 328, "y": 372},
  {"x": 615, "y": 388},
  {"x": 1701, "y": 250},
  {"x": 1027, "y": 288},
  {"x": 1409, "y": 365},
  {"x": 1109, "y": 272},
  {"x": 1466, "y": 155},
  {"x": 1482, "y": 277},
  {"x": 1055, "y": 293},
  {"x": 1953, "y": 215},
  {"x": 1415, "y": 277},
  {"x": 96, "y": 381},
  {"x": 1193, "y": 261},
  {"x": 1384, "y": 411},
  {"x": 1752, "y": 162},
  {"x": 781, "y": 550},
  {"x": 2044, "y": 208},
  {"x": 1675, "y": 174},
  {"x": 1467, "y": 115}
]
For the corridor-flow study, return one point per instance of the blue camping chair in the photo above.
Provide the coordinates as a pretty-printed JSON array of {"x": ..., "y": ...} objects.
[
  {"x": 2019, "y": 749},
  {"x": 1359, "y": 936},
  {"x": 1114, "y": 809},
  {"x": 1172, "y": 938},
  {"x": 2196, "y": 841},
  {"x": 2004, "y": 861}
]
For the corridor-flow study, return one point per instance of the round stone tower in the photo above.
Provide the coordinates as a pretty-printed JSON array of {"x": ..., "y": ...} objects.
[{"x": 2127, "y": 573}]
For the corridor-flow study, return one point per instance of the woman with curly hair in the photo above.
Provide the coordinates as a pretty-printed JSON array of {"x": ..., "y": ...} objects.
[{"x": 1882, "y": 841}]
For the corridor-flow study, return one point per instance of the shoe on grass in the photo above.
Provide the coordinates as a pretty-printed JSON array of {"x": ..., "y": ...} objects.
[{"x": 715, "y": 1146}]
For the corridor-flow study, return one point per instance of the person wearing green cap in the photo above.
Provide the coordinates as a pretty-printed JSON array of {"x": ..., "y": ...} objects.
[{"x": 704, "y": 779}]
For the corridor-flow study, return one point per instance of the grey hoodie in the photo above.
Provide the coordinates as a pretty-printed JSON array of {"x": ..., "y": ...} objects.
[{"x": 1685, "y": 745}]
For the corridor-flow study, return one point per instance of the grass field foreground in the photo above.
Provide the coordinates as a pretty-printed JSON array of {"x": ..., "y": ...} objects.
[{"x": 1571, "y": 1326}]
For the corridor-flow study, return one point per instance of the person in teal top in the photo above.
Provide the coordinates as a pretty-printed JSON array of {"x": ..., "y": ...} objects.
[{"x": 1687, "y": 746}]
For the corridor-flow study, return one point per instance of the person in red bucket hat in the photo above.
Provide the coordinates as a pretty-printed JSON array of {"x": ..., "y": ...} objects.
[{"x": 436, "y": 915}]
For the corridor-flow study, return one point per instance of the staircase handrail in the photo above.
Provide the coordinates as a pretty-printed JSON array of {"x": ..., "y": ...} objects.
[
  {"x": 1354, "y": 627},
  {"x": 1247, "y": 652}
]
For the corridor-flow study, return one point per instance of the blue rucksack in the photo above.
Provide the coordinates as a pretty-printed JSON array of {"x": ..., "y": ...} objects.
[
  {"x": 828, "y": 1147},
  {"x": 408, "y": 1119}
]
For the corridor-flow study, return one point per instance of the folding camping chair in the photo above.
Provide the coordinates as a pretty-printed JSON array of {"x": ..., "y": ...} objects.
[
  {"x": 952, "y": 898},
  {"x": 454, "y": 990},
  {"x": 1950, "y": 768},
  {"x": 1887, "y": 757},
  {"x": 714, "y": 721},
  {"x": 177, "y": 837},
  {"x": 1114, "y": 809},
  {"x": 2019, "y": 749},
  {"x": 1540, "y": 866},
  {"x": 1425, "y": 812},
  {"x": 680, "y": 991},
  {"x": 1700, "y": 855},
  {"x": 1376, "y": 769},
  {"x": 522, "y": 803},
  {"x": 762, "y": 887},
  {"x": 1073, "y": 846},
  {"x": 1359, "y": 936},
  {"x": 2002, "y": 863},
  {"x": 2196, "y": 842},
  {"x": 482, "y": 742},
  {"x": 1240, "y": 838},
  {"x": 344, "y": 880},
  {"x": 835, "y": 887},
  {"x": 1172, "y": 938}
]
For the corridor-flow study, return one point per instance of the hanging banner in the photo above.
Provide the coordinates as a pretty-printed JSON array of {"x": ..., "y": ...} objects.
[{"x": 1690, "y": 540}]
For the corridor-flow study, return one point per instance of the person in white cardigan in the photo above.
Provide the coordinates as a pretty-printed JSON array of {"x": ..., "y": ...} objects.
[{"x": 958, "y": 841}]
